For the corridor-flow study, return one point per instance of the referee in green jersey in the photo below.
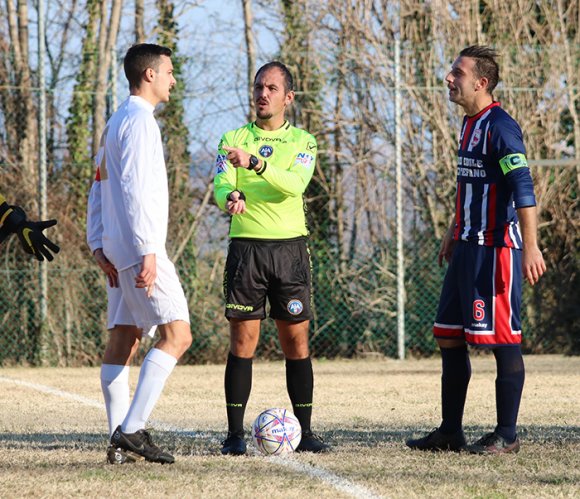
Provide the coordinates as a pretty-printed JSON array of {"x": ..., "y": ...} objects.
[{"x": 262, "y": 171}]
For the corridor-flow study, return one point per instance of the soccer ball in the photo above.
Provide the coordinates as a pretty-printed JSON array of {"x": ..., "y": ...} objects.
[{"x": 276, "y": 432}]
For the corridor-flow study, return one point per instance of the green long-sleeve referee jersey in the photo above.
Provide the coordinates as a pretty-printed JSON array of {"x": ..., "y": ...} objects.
[{"x": 274, "y": 199}]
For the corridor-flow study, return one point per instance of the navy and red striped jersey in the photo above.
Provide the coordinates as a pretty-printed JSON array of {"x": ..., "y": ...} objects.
[{"x": 493, "y": 179}]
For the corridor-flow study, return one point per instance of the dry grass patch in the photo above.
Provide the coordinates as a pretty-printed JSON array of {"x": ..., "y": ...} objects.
[{"x": 52, "y": 445}]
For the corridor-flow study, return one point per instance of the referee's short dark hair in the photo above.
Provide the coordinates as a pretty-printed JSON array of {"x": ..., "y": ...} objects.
[
  {"x": 485, "y": 63},
  {"x": 140, "y": 57},
  {"x": 288, "y": 80}
]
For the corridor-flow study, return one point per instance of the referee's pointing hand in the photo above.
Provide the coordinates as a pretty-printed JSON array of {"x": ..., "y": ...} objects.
[{"x": 237, "y": 157}]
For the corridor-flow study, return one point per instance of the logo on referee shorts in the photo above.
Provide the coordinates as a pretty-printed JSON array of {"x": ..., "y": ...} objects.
[
  {"x": 295, "y": 307},
  {"x": 266, "y": 151}
]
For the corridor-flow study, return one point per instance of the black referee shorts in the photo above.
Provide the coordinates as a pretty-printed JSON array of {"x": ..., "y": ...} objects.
[{"x": 276, "y": 269}]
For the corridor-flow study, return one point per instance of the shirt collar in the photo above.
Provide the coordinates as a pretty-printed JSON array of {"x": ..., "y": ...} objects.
[
  {"x": 140, "y": 101},
  {"x": 484, "y": 110}
]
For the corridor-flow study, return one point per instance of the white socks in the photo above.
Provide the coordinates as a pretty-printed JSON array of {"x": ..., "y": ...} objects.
[
  {"x": 155, "y": 370},
  {"x": 115, "y": 386}
]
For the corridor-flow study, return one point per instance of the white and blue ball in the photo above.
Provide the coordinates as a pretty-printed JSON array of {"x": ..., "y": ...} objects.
[{"x": 276, "y": 432}]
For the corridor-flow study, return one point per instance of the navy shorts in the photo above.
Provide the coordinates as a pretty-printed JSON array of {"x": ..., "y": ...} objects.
[
  {"x": 279, "y": 270},
  {"x": 481, "y": 296}
]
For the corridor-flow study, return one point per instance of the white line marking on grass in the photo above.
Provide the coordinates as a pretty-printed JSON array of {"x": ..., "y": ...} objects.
[
  {"x": 340, "y": 484},
  {"x": 159, "y": 425},
  {"x": 54, "y": 391}
]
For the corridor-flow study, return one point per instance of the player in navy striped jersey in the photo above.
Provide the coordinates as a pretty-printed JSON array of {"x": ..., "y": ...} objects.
[{"x": 491, "y": 246}]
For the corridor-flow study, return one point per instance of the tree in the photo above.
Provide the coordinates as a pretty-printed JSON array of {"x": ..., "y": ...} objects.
[
  {"x": 18, "y": 103},
  {"x": 250, "y": 55},
  {"x": 80, "y": 169}
]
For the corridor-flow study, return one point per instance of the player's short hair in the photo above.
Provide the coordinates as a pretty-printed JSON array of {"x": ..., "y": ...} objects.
[
  {"x": 141, "y": 57},
  {"x": 485, "y": 63},
  {"x": 288, "y": 80}
]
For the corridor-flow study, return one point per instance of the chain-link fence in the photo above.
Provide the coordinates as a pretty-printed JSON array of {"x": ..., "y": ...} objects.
[
  {"x": 353, "y": 314},
  {"x": 351, "y": 200}
]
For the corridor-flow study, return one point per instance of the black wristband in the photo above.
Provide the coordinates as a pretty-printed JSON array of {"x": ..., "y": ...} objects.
[
  {"x": 242, "y": 195},
  {"x": 263, "y": 169}
]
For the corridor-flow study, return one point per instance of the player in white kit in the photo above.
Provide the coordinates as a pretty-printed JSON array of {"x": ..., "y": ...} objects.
[{"x": 126, "y": 231}]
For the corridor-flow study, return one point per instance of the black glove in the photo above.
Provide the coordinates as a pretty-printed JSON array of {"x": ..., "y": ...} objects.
[{"x": 30, "y": 234}]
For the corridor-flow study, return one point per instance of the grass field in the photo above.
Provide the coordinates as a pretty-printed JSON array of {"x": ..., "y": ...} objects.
[{"x": 53, "y": 425}]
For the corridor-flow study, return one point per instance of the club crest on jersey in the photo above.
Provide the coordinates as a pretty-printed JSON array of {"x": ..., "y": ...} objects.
[
  {"x": 220, "y": 164},
  {"x": 295, "y": 307},
  {"x": 475, "y": 138},
  {"x": 266, "y": 151},
  {"x": 304, "y": 159}
]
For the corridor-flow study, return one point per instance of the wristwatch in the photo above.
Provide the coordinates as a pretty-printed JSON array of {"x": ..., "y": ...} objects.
[{"x": 253, "y": 162}]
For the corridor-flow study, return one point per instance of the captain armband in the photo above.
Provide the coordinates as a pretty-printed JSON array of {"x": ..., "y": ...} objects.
[{"x": 512, "y": 162}]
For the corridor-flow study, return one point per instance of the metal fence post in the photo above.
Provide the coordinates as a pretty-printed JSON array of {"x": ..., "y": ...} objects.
[
  {"x": 399, "y": 208},
  {"x": 42, "y": 177}
]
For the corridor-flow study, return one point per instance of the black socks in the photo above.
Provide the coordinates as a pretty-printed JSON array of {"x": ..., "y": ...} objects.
[
  {"x": 300, "y": 383},
  {"x": 454, "y": 383},
  {"x": 509, "y": 385},
  {"x": 238, "y": 383}
]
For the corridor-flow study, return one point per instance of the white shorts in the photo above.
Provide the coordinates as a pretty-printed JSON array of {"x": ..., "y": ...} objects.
[{"x": 128, "y": 305}]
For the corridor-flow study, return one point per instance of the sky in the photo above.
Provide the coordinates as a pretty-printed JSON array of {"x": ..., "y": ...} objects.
[{"x": 212, "y": 40}]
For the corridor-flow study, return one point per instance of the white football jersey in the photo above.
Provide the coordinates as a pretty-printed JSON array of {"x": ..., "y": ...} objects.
[{"x": 129, "y": 201}]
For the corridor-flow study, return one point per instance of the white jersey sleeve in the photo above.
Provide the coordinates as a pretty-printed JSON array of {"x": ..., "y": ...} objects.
[{"x": 94, "y": 218}]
